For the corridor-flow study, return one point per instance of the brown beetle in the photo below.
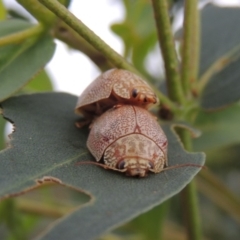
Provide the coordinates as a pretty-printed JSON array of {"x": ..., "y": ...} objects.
[
  {"x": 115, "y": 86},
  {"x": 129, "y": 139}
]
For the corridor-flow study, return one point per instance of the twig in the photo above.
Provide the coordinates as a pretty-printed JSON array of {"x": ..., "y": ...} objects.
[
  {"x": 189, "y": 197},
  {"x": 167, "y": 46},
  {"x": 190, "y": 45}
]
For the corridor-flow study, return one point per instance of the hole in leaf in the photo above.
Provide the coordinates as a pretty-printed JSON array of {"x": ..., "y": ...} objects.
[
  {"x": 6, "y": 128},
  {"x": 35, "y": 210}
]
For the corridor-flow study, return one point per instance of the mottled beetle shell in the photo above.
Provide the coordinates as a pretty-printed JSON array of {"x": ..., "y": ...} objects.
[
  {"x": 113, "y": 87},
  {"x": 129, "y": 138}
]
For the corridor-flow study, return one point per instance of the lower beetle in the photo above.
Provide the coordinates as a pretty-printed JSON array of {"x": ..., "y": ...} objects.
[{"x": 129, "y": 139}]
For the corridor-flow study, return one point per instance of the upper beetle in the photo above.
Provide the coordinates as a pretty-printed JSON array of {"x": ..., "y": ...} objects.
[{"x": 115, "y": 86}]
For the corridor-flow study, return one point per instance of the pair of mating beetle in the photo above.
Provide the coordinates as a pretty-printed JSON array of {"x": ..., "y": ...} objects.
[{"x": 122, "y": 131}]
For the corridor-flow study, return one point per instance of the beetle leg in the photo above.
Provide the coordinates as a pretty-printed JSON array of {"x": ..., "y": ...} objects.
[
  {"x": 82, "y": 123},
  {"x": 182, "y": 165},
  {"x": 98, "y": 109},
  {"x": 100, "y": 165},
  {"x": 117, "y": 106}
]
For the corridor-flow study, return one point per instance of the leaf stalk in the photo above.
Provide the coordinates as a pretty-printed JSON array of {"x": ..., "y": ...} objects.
[
  {"x": 167, "y": 47},
  {"x": 190, "y": 45},
  {"x": 41, "y": 13},
  {"x": 21, "y": 36},
  {"x": 189, "y": 198}
]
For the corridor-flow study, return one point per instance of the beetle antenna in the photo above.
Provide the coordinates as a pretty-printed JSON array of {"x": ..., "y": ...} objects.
[
  {"x": 100, "y": 165},
  {"x": 184, "y": 165}
]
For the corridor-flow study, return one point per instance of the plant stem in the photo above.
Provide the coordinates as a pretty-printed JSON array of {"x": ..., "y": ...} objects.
[
  {"x": 35, "y": 207},
  {"x": 191, "y": 211},
  {"x": 87, "y": 34},
  {"x": 167, "y": 46},
  {"x": 189, "y": 197},
  {"x": 195, "y": 43},
  {"x": 3, "y": 11},
  {"x": 21, "y": 36},
  {"x": 189, "y": 71},
  {"x": 190, "y": 45},
  {"x": 41, "y": 13}
]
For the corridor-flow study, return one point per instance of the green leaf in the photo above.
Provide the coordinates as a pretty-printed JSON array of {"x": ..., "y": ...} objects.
[
  {"x": 216, "y": 190},
  {"x": 220, "y": 128},
  {"x": 220, "y": 33},
  {"x": 46, "y": 145},
  {"x": 223, "y": 88},
  {"x": 12, "y": 26},
  {"x": 220, "y": 57},
  {"x": 19, "y": 63},
  {"x": 9, "y": 27},
  {"x": 41, "y": 82}
]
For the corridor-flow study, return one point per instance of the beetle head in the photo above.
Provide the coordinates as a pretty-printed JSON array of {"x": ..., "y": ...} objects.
[
  {"x": 143, "y": 96},
  {"x": 135, "y": 166}
]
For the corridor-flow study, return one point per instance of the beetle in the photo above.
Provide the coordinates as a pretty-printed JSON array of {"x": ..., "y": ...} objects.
[
  {"x": 129, "y": 139},
  {"x": 115, "y": 86}
]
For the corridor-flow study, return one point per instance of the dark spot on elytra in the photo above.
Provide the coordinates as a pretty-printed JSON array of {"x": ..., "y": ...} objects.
[
  {"x": 165, "y": 143},
  {"x": 105, "y": 139}
]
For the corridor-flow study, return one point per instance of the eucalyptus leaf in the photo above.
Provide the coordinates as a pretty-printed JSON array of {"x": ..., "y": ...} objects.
[
  {"x": 223, "y": 88},
  {"x": 41, "y": 82},
  {"x": 220, "y": 57},
  {"x": 11, "y": 26},
  {"x": 19, "y": 63},
  {"x": 46, "y": 145},
  {"x": 220, "y": 33},
  {"x": 219, "y": 129}
]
